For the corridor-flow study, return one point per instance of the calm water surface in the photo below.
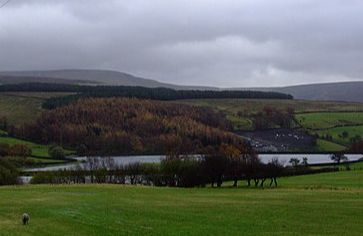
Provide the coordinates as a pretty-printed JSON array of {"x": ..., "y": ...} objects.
[{"x": 124, "y": 160}]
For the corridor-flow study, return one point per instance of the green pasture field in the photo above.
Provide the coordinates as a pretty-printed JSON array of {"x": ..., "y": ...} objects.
[
  {"x": 319, "y": 204},
  {"x": 327, "y": 146},
  {"x": 23, "y": 107},
  {"x": 337, "y": 134},
  {"x": 343, "y": 166},
  {"x": 249, "y": 107},
  {"x": 325, "y": 120},
  {"x": 318, "y": 117}
]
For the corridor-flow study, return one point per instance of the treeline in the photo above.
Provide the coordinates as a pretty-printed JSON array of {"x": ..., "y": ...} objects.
[
  {"x": 132, "y": 92},
  {"x": 3, "y": 123},
  {"x": 357, "y": 147},
  {"x": 225, "y": 163},
  {"x": 8, "y": 172},
  {"x": 271, "y": 117},
  {"x": 15, "y": 150},
  {"x": 115, "y": 126}
]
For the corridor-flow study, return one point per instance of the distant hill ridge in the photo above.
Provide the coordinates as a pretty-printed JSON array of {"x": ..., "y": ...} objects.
[
  {"x": 96, "y": 77},
  {"x": 341, "y": 91}
]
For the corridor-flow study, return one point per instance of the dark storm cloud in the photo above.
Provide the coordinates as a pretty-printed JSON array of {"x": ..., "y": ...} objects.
[{"x": 223, "y": 43}]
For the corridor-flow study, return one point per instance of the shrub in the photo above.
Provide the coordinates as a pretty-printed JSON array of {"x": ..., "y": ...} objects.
[
  {"x": 8, "y": 173},
  {"x": 56, "y": 152}
]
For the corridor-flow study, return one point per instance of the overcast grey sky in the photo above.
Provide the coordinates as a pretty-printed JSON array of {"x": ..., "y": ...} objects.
[{"x": 226, "y": 43}]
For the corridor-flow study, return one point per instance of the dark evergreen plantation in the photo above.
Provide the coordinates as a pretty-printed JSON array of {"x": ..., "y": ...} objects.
[{"x": 133, "y": 92}]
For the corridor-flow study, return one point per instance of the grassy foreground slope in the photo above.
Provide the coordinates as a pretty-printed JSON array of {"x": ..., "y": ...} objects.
[{"x": 330, "y": 204}]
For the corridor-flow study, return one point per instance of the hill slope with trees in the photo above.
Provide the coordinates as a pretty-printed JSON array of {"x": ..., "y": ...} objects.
[{"x": 114, "y": 126}]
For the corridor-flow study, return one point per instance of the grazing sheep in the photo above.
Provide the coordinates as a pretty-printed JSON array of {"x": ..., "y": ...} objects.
[{"x": 26, "y": 219}]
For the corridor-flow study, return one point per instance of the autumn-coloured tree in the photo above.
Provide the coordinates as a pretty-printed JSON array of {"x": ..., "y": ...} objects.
[
  {"x": 116, "y": 126},
  {"x": 271, "y": 117}
]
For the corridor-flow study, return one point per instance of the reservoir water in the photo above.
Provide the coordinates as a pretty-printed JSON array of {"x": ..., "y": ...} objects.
[{"x": 124, "y": 160}]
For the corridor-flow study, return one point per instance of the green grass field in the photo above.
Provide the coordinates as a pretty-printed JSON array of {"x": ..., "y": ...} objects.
[
  {"x": 347, "y": 180},
  {"x": 337, "y": 133},
  {"x": 320, "y": 204},
  {"x": 343, "y": 166},
  {"x": 327, "y": 146},
  {"x": 341, "y": 126},
  {"x": 38, "y": 150},
  {"x": 325, "y": 120},
  {"x": 23, "y": 107}
]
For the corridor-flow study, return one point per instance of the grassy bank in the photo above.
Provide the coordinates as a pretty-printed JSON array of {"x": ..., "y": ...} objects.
[
  {"x": 316, "y": 204},
  {"x": 38, "y": 150},
  {"x": 328, "y": 146}
]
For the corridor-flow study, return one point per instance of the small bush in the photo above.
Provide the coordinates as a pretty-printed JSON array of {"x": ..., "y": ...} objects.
[
  {"x": 8, "y": 173},
  {"x": 57, "y": 152}
]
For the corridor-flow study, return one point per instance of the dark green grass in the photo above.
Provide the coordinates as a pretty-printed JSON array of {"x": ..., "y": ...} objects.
[
  {"x": 343, "y": 166},
  {"x": 336, "y": 180},
  {"x": 322, "y": 204},
  {"x": 45, "y": 161}
]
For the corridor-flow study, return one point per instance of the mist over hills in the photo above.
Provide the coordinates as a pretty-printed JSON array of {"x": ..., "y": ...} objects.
[{"x": 341, "y": 91}]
